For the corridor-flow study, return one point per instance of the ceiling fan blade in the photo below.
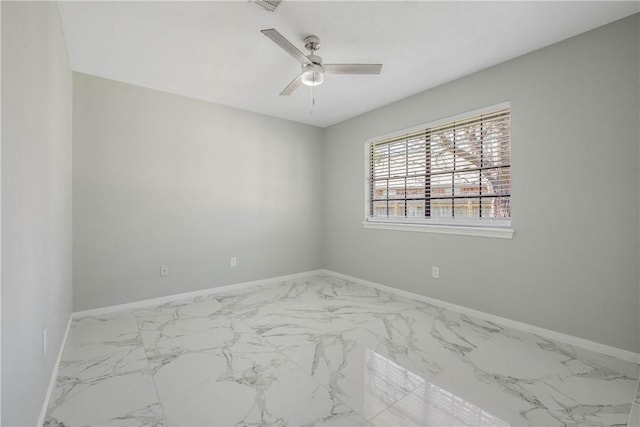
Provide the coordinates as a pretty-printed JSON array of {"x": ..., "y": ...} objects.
[
  {"x": 291, "y": 87},
  {"x": 352, "y": 68},
  {"x": 286, "y": 45}
]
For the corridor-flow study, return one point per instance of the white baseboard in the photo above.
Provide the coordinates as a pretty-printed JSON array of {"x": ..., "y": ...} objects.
[
  {"x": 545, "y": 333},
  {"x": 54, "y": 376},
  {"x": 186, "y": 295}
]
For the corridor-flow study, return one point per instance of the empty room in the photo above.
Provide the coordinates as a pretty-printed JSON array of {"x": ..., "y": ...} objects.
[{"x": 320, "y": 213}]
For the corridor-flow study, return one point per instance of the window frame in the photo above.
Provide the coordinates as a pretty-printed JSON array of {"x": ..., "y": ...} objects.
[{"x": 460, "y": 226}]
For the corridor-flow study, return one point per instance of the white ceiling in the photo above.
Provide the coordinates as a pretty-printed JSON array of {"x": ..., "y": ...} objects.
[{"x": 214, "y": 51}]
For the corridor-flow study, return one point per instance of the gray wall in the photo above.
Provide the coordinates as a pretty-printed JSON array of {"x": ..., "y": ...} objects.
[
  {"x": 36, "y": 203},
  {"x": 162, "y": 179},
  {"x": 572, "y": 265}
]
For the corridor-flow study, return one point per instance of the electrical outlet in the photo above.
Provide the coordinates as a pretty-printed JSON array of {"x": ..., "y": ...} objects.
[
  {"x": 44, "y": 342},
  {"x": 234, "y": 261},
  {"x": 164, "y": 270},
  {"x": 435, "y": 272}
]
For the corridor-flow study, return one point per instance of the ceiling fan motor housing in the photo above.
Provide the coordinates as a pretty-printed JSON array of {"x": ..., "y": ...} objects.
[{"x": 315, "y": 59}]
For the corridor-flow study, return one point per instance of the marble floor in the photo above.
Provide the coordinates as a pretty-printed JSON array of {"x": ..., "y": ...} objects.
[{"x": 328, "y": 352}]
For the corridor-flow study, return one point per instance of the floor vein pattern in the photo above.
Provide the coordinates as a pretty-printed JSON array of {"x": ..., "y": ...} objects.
[{"x": 323, "y": 351}]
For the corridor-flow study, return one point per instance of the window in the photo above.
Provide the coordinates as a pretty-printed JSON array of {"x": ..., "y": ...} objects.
[{"x": 456, "y": 172}]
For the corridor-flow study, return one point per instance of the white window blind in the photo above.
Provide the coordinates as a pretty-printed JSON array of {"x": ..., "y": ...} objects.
[{"x": 457, "y": 171}]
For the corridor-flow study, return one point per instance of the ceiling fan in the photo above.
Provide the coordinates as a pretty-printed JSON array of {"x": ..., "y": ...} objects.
[{"x": 313, "y": 70}]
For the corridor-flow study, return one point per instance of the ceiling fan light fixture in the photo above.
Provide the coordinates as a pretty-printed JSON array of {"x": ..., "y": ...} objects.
[{"x": 312, "y": 75}]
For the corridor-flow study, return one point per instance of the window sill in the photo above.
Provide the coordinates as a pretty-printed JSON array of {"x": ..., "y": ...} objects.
[{"x": 462, "y": 230}]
